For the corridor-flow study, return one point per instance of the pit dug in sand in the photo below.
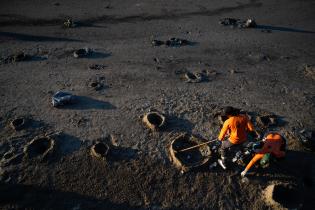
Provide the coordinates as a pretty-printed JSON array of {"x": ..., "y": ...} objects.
[
  {"x": 99, "y": 150},
  {"x": 266, "y": 121},
  {"x": 193, "y": 77},
  {"x": 187, "y": 160},
  {"x": 39, "y": 147},
  {"x": 283, "y": 196},
  {"x": 154, "y": 120},
  {"x": 18, "y": 124}
]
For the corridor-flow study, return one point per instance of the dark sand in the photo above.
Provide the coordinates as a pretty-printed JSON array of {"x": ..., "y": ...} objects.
[{"x": 258, "y": 70}]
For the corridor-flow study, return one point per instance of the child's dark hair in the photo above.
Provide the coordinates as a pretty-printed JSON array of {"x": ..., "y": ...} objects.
[{"x": 229, "y": 110}]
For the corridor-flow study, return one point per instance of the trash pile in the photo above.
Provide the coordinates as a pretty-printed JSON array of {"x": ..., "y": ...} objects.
[
  {"x": 172, "y": 42},
  {"x": 61, "y": 98},
  {"x": 96, "y": 83},
  {"x": 249, "y": 23},
  {"x": 81, "y": 53}
]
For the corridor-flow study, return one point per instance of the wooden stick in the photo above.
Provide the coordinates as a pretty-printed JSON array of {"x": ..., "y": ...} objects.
[{"x": 199, "y": 145}]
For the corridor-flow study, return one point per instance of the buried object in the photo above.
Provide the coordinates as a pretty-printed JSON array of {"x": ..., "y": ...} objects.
[
  {"x": 193, "y": 77},
  {"x": 99, "y": 150},
  {"x": 39, "y": 146},
  {"x": 61, "y": 98},
  {"x": 154, "y": 120},
  {"x": 18, "y": 124},
  {"x": 283, "y": 196},
  {"x": 189, "y": 159}
]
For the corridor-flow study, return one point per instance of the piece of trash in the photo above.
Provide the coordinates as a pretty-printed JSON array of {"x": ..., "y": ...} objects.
[
  {"x": 80, "y": 53},
  {"x": 39, "y": 146},
  {"x": 154, "y": 120},
  {"x": 249, "y": 23},
  {"x": 157, "y": 42},
  {"x": 187, "y": 160},
  {"x": 99, "y": 150},
  {"x": 176, "y": 42},
  {"x": 283, "y": 196},
  {"x": 193, "y": 77},
  {"x": 61, "y": 98},
  {"x": 172, "y": 42},
  {"x": 96, "y": 67},
  {"x": 68, "y": 23},
  {"x": 18, "y": 123}
]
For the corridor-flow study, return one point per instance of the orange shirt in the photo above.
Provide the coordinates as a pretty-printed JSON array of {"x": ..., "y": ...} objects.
[
  {"x": 271, "y": 145},
  {"x": 237, "y": 126}
]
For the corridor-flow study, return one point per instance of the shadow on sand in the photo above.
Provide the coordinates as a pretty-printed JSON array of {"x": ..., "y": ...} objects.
[
  {"x": 84, "y": 103},
  {"x": 283, "y": 29},
  {"x": 4, "y": 36}
]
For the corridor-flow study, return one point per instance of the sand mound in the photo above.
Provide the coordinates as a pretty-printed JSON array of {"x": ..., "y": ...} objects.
[
  {"x": 193, "y": 158},
  {"x": 154, "y": 120},
  {"x": 283, "y": 196},
  {"x": 99, "y": 150}
]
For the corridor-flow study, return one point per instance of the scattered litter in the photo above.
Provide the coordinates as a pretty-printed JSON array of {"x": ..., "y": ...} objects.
[
  {"x": 16, "y": 57},
  {"x": 249, "y": 23},
  {"x": 266, "y": 121},
  {"x": 80, "y": 53},
  {"x": 99, "y": 150},
  {"x": 68, "y": 23},
  {"x": 18, "y": 123},
  {"x": 172, "y": 42},
  {"x": 61, "y": 98},
  {"x": 39, "y": 146},
  {"x": 96, "y": 67},
  {"x": 193, "y": 77},
  {"x": 189, "y": 159},
  {"x": 154, "y": 120},
  {"x": 283, "y": 196},
  {"x": 176, "y": 42}
]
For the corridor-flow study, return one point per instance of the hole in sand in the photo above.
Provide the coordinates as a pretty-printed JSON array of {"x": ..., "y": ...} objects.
[
  {"x": 99, "y": 150},
  {"x": 191, "y": 158},
  {"x": 18, "y": 123},
  {"x": 154, "y": 120},
  {"x": 284, "y": 195},
  {"x": 193, "y": 77},
  {"x": 39, "y": 147}
]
